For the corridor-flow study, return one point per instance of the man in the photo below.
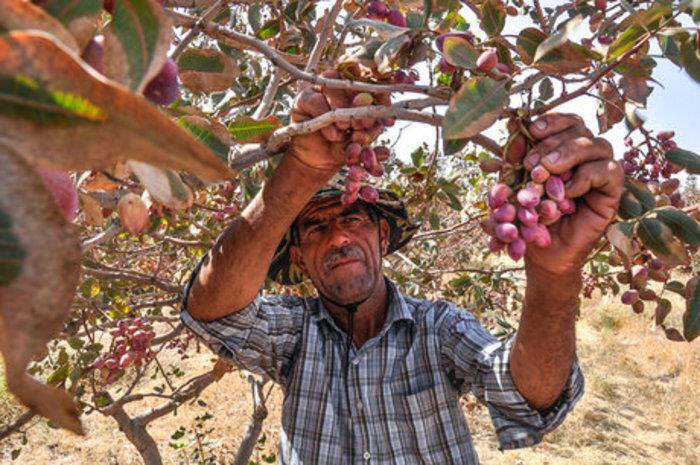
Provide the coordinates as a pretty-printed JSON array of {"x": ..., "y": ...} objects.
[{"x": 392, "y": 396}]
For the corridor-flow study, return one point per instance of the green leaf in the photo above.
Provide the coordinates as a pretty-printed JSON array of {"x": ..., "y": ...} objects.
[
  {"x": 663, "y": 308},
  {"x": 194, "y": 60},
  {"x": 268, "y": 30},
  {"x": 383, "y": 30},
  {"x": 450, "y": 147},
  {"x": 22, "y": 96},
  {"x": 660, "y": 239},
  {"x": 387, "y": 53},
  {"x": 546, "y": 89},
  {"x": 207, "y": 70},
  {"x": 493, "y": 17},
  {"x": 248, "y": 130},
  {"x": 528, "y": 41},
  {"x": 629, "y": 206},
  {"x": 102, "y": 400},
  {"x": 59, "y": 375},
  {"x": 670, "y": 49},
  {"x": 620, "y": 236},
  {"x": 460, "y": 52},
  {"x": 165, "y": 186},
  {"x": 685, "y": 158},
  {"x": 207, "y": 137},
  {"x": 691, "y": 317},
  {"x": 683, "y": 226},
  {"x": 68, "y": 10},
  {"x": 675, "y": 287},
  {"x": 136, "y": 42},
  {"x": 475, "y": 107},
  {"x": 641, "y": 193},
  {"x": 557, "y": 39},
  {"x": 690, "y": 58},
  {"x": 625, "y": 41},
  {"x": 254, "y": 16},
  {"x": 75, "y": 342}
]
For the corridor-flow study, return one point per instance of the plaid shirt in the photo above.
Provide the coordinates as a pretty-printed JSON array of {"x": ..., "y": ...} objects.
[{"x": 403, "y": 384}]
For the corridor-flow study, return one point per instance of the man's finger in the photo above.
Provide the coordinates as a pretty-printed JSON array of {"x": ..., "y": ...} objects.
[
  {"x": 553, "y": 123},
  {"x": 551, "y": 143},
  {"x": 576, "y": 151},
  {"x": 516, "y": 145},
  {"x": 603, "y": 176},
  {"x": 337, "y": 98},
  {"x": 311, "y": 104}
]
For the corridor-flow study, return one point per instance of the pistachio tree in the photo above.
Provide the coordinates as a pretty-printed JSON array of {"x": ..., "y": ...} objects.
[{"x": 133, "y": 131}]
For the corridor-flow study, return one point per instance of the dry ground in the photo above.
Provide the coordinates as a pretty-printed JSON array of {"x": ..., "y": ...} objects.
[{"x": 641, "y": 407}]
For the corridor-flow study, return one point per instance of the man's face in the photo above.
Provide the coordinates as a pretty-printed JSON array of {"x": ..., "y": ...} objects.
[{"x": 340, "y": 249}]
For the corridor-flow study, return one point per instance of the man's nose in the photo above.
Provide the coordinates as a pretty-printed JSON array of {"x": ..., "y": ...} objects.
[{"x": 337, "y": 234}]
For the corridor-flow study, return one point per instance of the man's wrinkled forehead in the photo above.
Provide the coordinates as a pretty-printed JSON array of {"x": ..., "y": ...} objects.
[{"x": 326, "y": 209}]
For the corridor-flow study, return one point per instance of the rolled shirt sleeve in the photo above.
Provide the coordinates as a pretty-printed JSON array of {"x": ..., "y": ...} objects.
[
  {"x": 261, "y": 338},
  {"x": 481, "y": 363}
]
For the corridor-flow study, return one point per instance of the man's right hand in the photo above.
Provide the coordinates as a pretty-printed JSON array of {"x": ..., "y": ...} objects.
[{"x": 324, "y": 150}]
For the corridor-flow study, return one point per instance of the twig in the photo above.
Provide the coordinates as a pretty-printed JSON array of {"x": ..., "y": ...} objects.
[
  {"x": 101, "y": 238},
  {"x": 17, "y": 424},
  {"x": 540, "y": 17},
  {"x": 136, "y": 277},
  {"x": 323, "y": 38},
  {"x": 442, "y": 232},
  {"x": 269, "y": 97},
  {"x": 476, "y": 270},
  {"x": 206, "y": 16}
]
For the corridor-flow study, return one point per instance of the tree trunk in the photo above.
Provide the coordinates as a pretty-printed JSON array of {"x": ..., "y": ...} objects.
[
  {"x": 137, "y": 434},
  {"x": 254, "y": 426}
]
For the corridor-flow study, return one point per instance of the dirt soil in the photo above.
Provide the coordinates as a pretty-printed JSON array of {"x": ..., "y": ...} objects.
[{"x": 641, "y": 406}]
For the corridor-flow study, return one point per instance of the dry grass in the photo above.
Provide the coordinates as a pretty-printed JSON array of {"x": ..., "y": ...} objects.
[{"x": 641, "y": 407}]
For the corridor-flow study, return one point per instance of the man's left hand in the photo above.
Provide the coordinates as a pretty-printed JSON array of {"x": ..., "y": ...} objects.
[{"x": 565, "y": 143}]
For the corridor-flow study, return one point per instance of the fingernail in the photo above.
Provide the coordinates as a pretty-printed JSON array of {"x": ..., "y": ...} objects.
[
  {"x": 541, "y": 124},
  {"x": 552, "y": 157}
]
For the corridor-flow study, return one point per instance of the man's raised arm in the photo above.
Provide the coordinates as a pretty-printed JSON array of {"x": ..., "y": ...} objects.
[{"x": 234, "y": 269}]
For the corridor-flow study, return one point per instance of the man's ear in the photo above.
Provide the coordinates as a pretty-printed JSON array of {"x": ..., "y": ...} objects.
[
  {"x": 295, "y": 254},
  {"x": 384, "y": 235}
]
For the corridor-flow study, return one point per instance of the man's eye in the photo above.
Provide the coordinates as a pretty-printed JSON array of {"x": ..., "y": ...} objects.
[{"x": 316, "y": 229}]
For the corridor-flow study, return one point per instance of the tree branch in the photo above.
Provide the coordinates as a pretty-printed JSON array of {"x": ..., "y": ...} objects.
[
  {"x": 136, "y": 277},
  {"x": 17, "y": 424},
  {"x": 323, "y": 37},
  {"x": 193, "y": 389},
  {"x": 285, "y": 61}
]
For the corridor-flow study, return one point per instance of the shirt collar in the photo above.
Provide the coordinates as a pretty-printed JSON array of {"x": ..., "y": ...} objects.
[{"x": 398, "y": 309}]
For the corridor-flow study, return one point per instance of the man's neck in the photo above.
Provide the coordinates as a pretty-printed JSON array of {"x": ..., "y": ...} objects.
[{"x": 369, "y": 317}]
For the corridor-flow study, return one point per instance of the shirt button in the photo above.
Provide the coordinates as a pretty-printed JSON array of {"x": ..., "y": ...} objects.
[
  {"x": 359, "y": 405},
  {"x": 356, "y": 361},
  {"x": 367, "y": 455}
]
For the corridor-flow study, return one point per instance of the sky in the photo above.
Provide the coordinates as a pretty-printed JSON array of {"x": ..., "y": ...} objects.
[{"x": 676, "y": 106}]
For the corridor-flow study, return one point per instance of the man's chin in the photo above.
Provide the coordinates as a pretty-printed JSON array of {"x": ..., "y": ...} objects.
[{"x": 346, "y": 292}]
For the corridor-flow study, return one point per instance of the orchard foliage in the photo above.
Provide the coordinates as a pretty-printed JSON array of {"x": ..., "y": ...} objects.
[{"x": 152, "y": 123}]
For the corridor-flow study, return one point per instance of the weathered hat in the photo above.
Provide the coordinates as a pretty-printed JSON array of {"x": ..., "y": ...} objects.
[{"x": 389, "y": 207}]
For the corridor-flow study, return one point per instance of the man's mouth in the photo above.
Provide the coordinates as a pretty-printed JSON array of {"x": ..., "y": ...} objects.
[{"x": 344, "y": 261}]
